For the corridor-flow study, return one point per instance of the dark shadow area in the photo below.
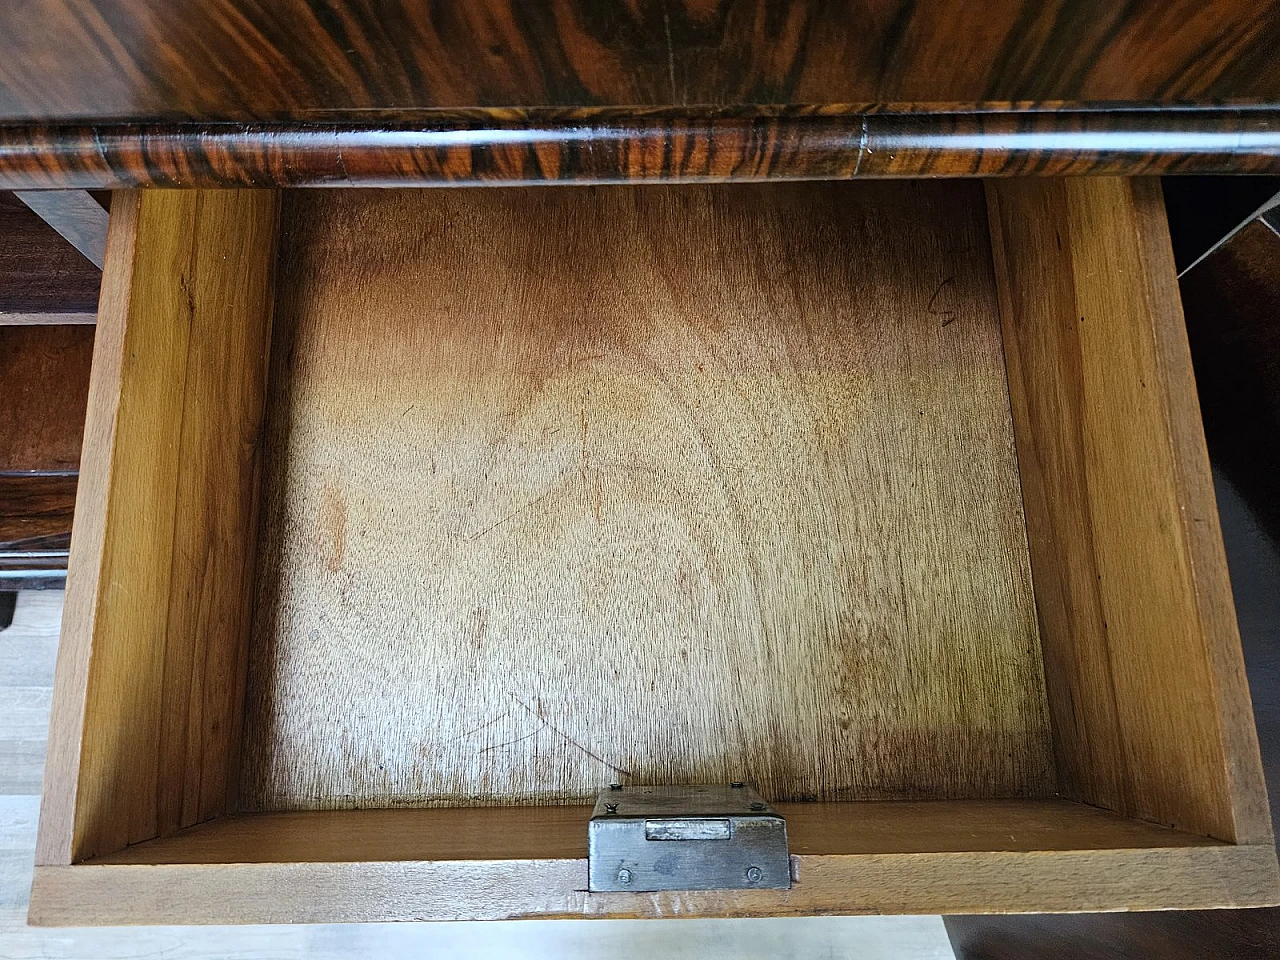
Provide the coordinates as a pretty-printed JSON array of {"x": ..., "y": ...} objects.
[{"x": 1203, "y": 210}]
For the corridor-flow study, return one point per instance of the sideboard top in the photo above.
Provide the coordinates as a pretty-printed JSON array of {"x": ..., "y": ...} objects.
[{"x": 85, "y": 82}]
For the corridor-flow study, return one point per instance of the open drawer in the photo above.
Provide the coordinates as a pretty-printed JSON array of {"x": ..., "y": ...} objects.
[{"x": 410, "y": 519}]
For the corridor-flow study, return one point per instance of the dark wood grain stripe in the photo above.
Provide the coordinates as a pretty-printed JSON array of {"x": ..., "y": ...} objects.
[
  {"x": 249, "y": 60},
  {"x": 34, "y": 507},
  {"x": 606, "y": 146}
]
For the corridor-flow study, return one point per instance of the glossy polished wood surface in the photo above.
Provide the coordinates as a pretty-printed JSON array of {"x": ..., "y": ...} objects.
[
  {"x": 368, "y": 92},
  {"x": 616, "y": 146},
  {"x": 35, "y": 529},
  {"x": 307, "y": 59}
]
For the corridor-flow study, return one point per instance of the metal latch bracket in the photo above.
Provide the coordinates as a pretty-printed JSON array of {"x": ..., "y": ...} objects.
[{"x": 712, "y": 837}]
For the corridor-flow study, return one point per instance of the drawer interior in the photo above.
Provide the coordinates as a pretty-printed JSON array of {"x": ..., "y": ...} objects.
[
  {"x": 888, "y": 498},
  {"x": 676, "y": 485}
]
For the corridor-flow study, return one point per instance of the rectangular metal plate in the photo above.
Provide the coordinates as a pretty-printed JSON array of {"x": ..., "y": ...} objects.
[
  {"x": 686, "y": 838},
  {"x": 695, "y": 829}
]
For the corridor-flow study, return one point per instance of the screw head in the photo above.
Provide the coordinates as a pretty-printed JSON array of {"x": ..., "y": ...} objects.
[
  {"x": 757, "y": 805},
  {"x": 624, "y": 877},
  {"x": 754, "y": 874},
  {"x": 615, "y": 786},
  {"x": 610, "y": 808},
  {"x": 737, "y": 784}
]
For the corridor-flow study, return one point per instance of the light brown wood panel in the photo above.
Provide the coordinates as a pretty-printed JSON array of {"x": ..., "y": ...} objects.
[
  {"x": 869, "y": 857},
  {"x": 150, "y": 668},
  {"x": 1145, "y": 677},
  {"x": 657, "y": 484},
  {"x": 27, "y": 651},
  {"x": 559, "y": 832},
  {"x": 999, "y": 881}
]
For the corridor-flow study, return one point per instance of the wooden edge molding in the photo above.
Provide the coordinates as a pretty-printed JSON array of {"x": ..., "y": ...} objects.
[
  {"x": 611, "y": 145},
  {"x": 1008, "y": 882}
]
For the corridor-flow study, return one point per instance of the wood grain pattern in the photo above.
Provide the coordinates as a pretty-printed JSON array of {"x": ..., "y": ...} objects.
[
  {"x": 394, "y": 864},
  {"x": 558, "y": 832},
  {"x": 602, "y": 145},
  {"x": 1146, "y": 683},
  {"x": 523, "y": 449},
  {"x": 35, "y": 529},
  {"x": 1254, "y": 560},
  {"x": 667, "y": 485},
  {"x": 239, "y": 60},
  {"x": 36, "y": 509},
  {"x": 27, "y": 652},
  {"x": 369, "y": 92},
  {"x": 45, "y": 373},
  {"x": 1182, "y": 877},
  {"x": 43, "y": 279},
  {"x": 147, "y": 696}
]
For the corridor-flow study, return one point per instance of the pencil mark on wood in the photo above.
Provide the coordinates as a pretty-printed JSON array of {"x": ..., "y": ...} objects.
[{"x": 949, "y": 314}]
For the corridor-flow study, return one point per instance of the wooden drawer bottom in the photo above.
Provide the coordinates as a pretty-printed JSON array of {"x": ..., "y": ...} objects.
[{"x": 410, "y": 519}]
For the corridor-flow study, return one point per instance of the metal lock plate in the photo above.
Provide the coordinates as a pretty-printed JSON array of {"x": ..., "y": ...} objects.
[{"x": 686, "y": 838}]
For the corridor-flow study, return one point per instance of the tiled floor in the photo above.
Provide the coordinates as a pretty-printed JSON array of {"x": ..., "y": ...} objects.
[{"x": 27, "y": 651}]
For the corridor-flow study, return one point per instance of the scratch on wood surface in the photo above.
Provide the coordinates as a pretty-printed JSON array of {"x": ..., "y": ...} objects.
[
  {"x": 510, "y": 743},
  {"x": 482, "y": 727},
  {"x": 568, "y": 739},
  {"x": 510, "y": 516}
]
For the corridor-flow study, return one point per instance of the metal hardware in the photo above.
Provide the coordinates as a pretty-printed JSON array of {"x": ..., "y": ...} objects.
[
  {"x": 686, "y": 838},
  {"x": 695, "y": 829}
]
